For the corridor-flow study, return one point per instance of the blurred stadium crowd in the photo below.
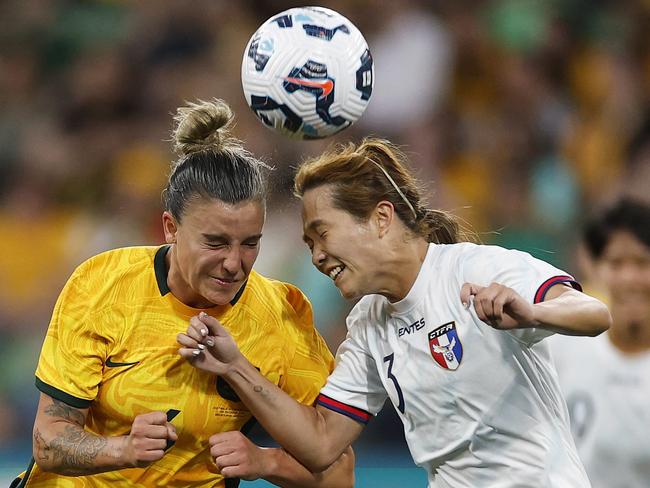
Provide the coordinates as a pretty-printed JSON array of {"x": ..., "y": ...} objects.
[{"x": 523, "y": 115}]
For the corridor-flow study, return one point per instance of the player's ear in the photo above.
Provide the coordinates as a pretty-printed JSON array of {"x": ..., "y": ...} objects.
[
  {"x": 170, "y": 227},
  {"x": 383, "y": 216}
]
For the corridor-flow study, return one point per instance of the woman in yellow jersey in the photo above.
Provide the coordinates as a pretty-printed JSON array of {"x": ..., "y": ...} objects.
[{"x": 118, "y": 406}]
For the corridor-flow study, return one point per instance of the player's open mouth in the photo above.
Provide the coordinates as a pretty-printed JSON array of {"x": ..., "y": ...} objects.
[{"x": 335, "y": 272}]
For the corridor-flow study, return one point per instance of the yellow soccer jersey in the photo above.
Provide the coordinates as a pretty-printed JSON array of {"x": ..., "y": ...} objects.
[{"x": 111, "y": 346}]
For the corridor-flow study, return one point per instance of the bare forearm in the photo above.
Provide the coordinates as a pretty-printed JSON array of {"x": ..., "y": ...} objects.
[
  {"x": 301, "y": 430},
  {"x": 66, "y": 448},
  {"x": 573, "y": 313},
  {"x": 286, "y": 472}
]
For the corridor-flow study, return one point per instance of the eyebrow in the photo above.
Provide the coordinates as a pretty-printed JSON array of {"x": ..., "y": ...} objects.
[
  {"x": 226, "y": 238},
  {"x": 311, "y": 226}
]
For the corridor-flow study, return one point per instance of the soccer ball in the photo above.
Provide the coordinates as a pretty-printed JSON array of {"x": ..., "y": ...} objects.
[{"x": 307, "y": 72}]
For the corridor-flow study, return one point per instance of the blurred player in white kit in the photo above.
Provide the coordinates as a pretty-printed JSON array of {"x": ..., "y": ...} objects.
[{"x": 606, "y": 381}]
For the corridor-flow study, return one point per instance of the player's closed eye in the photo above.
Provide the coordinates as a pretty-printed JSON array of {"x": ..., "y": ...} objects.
[{"x": 216, "y": 245}]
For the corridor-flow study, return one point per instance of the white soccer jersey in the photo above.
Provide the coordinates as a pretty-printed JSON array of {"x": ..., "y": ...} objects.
[
  {"x": 608, "y": 394},
  {"x": 480, "y": 407}
]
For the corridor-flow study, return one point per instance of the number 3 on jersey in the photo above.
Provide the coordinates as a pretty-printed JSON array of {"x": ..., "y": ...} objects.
[{"x": 389, "y": 359}]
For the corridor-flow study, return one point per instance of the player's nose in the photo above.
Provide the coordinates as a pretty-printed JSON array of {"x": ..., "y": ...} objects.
[
  {"x": 318, "y": 257},
  {"x": 233, "y": 260}
]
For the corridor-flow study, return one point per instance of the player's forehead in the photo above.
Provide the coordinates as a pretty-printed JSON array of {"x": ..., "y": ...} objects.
[
  {"x": 318, "y": 210},
  {"x": 317, "y": 203},
  {"x": 215, "y": 217},
  {"x": 624, "y": 244}
]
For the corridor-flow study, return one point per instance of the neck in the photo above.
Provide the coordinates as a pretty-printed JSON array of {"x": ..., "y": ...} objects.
[
  {"x": 630, "y": 338},
  {"x": 400, "y": 267}
]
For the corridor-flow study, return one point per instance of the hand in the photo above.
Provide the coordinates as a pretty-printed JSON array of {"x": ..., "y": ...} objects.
[
  {"x": 148, "y": 439},
  {"x": 498, "y": 306},
  {"x": 238, "y": 457},
  {"x": 208, "y": 346}
]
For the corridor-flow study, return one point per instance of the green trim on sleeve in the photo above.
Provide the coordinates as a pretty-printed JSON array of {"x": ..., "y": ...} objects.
[
  {"x": 21, "y": 482},
  {"x": 62, "y": 395}
]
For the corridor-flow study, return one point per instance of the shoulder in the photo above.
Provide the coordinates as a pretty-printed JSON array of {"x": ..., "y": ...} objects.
[
  {"x": 279, "y": 294},
  {"x": 367, "y": 310},
  {"x": 276, "y": 288},
  {"x": 114, "y": 265},
  {"x": 481, "y": 259},
  {"x": 121, "y": 258},
  {"x": 468, "y": 251}
]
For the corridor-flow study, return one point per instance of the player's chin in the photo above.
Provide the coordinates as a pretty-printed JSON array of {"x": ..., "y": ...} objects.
[
  {"x": 221, "y": 295},
  {"x": 349, "y": 293}
]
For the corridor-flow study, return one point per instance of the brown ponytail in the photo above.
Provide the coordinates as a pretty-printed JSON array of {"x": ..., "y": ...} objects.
[{"x": 376, "y": 170}]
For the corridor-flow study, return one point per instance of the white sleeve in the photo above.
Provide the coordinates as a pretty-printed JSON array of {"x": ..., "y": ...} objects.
[
  {"x": 528, "y": 276},
  {"x": 354, "y": 388}
]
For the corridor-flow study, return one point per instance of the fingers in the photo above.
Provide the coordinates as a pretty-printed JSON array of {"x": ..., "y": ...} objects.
[
  {"x": 151, "y": 418},
  {"x": 467, "y": 291},
  {"x": 197, "y": 330},
  {"x": 223, "y": 453},
  {"x": 236, "y": 456},
  {"x": 171, "y": 432},
  {"x": 188, "y": 353},
  {"x": 151, "y": 435},
  {"x": 213, "y": 325},
  {"x": 229, "y": 465},
  {"x": 189, "y": 342},
  {"x": 204, "y": 329},
  {"x": 153, "y": 425},
  {"x": 225, "y": 442},
  {"x": 489, "y": 302}
]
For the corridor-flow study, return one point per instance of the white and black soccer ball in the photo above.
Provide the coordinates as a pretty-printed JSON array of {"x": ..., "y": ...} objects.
[{"x": 307, "y": 72}]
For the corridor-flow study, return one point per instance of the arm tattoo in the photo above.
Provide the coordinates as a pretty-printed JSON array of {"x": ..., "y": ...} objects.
[
  {"x": 73, "y": 449},
  {"x": 77, "y": 450},
  {"x": 65, "y": 411}
]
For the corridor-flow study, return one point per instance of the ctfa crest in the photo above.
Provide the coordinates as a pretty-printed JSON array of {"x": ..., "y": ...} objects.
[{"x": 445, "y": 346}]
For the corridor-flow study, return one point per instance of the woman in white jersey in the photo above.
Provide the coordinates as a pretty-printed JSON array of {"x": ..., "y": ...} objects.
[
  {"x": 606, "y": 382},
  {"x": 450, "y": 332}
]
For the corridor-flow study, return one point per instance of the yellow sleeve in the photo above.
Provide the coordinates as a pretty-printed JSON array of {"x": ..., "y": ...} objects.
[
  {"x": 73, "y": 353},
  {"x": 312, "y": 361}
]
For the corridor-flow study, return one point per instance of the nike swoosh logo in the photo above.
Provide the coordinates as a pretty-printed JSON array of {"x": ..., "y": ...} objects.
[
  {"x": 326, "y": 85},
  {"x": 111, "y": 364}
]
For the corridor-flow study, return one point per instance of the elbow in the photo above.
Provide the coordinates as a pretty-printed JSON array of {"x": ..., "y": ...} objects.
[
  {"x": 43, "y": 454},
  {"x": 607, "y": 320},
  {"x": 321, "y": 459},
  {"x": 318, "y": 465},
  {"x": 347, "y": 461},
  {"x": 603, "y": 321},
  {"x": 40, "y": 449},
  {"x": 44, "y": 463}
]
